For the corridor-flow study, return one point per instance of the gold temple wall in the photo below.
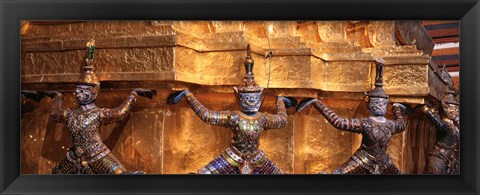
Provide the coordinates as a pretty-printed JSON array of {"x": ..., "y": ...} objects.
[{"x": 328, "y": 60}]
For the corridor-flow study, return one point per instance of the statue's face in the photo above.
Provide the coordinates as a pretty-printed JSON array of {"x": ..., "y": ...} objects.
[
  {"x": 84, "y": 94},
  {"x": 250, "y": 102},
  {"x": 377, "y": 106},
  {"x": 450, "y": 110}
]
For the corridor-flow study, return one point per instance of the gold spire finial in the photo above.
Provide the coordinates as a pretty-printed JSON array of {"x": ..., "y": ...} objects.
[
  {"x": 378, "y": 91},
  {"x": 87, "y": 75},
  {"x": 249, "y": 86}
]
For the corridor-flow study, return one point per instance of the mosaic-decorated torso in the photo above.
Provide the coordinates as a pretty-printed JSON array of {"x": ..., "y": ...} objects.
[
  {"x": 450, "y": 137},
  {"x": 376, "y": 136},
  {"x": 246, "y": 131},
  {"x": 448, "y": 132},
  {"x": 84, "y": 128}
]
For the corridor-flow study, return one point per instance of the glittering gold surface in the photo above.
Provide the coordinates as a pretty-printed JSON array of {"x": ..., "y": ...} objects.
[
  {"x": 379, "y": 34},
  {"x": 190, "y": 144},
  {"x": 211, "y": 68},
  {"x": 406, "y": 79},
  {"x": 319, "y": 146},
  {"x": 322, "y": 55},
  {"x": 322, "y": 59},
  {"x": 347, "y": 76}
]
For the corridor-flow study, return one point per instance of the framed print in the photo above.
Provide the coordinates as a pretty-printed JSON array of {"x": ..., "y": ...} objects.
[
  {"x": 362, "y": 88},
  {"x": 164, "y": 62}
]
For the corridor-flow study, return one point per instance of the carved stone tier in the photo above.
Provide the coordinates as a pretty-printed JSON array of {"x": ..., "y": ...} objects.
[{"x": 323, "y": 56}]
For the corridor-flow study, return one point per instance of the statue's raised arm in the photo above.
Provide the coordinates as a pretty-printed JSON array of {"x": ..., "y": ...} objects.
[
  {"x": 59, "y": 114},
  {"x": 280, "y": 120},
  {"x": 112, "y": 115},
  {"x": 220, "y": 118},
  {"x": 346, "y": 124}
]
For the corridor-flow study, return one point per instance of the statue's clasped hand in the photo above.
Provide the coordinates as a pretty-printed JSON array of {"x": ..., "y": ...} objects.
[
  {"x": 404, "y": 108},
  {"x": 305, "y": 103},
  {"x": 35, "y": 95},
  {"x": 429, "y": 109},
  {"x": 175, "y": 97},
  {"x": 289, "y": 101},
  {"x": 148, "y": 93},
  {"x": 52, "y": 94}
]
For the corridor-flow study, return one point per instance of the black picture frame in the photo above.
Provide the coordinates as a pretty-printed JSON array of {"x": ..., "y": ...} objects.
[{"x": 12, "y": 11}]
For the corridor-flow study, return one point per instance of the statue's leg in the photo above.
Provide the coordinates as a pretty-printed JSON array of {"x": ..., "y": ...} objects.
[
  {"x": 437, "y": 161},
  {"x": 436, "y": 165},
  {"x": 107, "y": 165},
  {"x": 220, "y": 165},
  {"x": 64, "y": 167},
  {"x": 453, "y": 166},
  {"x": 351, "y": 167},
  {"x": 391, "y": 168},
  {"x": 268, "y": 167}
]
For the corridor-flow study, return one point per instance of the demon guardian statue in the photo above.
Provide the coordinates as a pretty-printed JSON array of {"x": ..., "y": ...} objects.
[
  {"x": 376, "y": 130},
  {"x": 243, "y": 156},
  {"x": 89, "y": 155},
  {"x": 443, "y": 158}
]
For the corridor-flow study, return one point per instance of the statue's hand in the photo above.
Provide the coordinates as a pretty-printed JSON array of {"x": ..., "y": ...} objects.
[
  {"x": 289, "y": 101},
  {"x": 34, "y": 95},
  {"x": 425, "y": 109},
  {"x": 51, "y": 94},
  {"x": 176, "y": 96},
  {"x": 401, "y": 106},
  {"x": 379, "y": 60},
  {"x": 428, "y": 109},
  {"x": 305, "y": 103},
  {"x": 148, "y": 93},
  {"x": 404, "y": 108}
]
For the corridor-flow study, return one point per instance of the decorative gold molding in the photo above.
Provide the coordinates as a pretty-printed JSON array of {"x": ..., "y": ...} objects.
[{"x": 318, "y": 55}]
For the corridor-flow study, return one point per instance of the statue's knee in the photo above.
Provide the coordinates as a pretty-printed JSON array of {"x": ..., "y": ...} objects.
[{"x": 339, "y": 171}]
